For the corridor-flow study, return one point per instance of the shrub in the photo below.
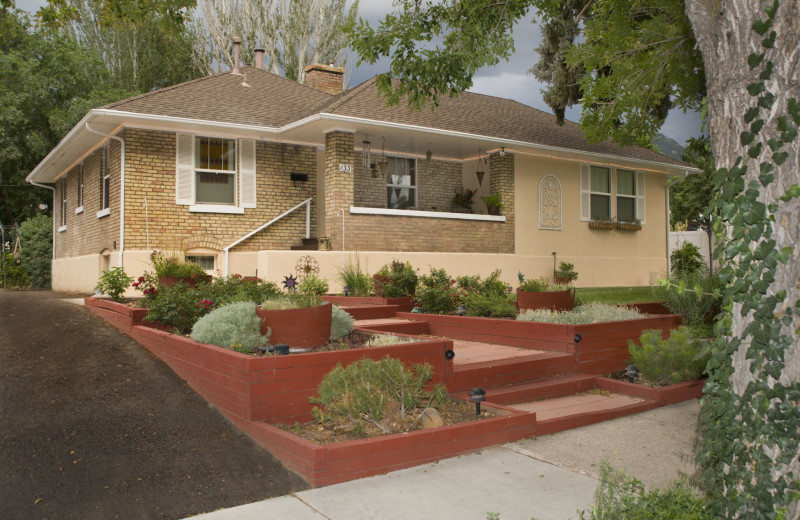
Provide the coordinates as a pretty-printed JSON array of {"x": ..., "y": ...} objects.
[
  {"x": 566, "y": 272},
  {"x": 282, "y": 303},
  {"x": 381, "y": 340},
  {"x": 436, "y": 293},
  {"x": 178, "y": 307},
  {"x": 368, "y": 391},
  {"x": 402, "y": 279},
  {"x": 314, "y": 285},
  {"x": 539, "y": 285},
  {"x": 235, "y": 288},
  {"x": 341, "y": 323},
  {"x": 619, "y": 497},
  {"x": 113, "y": 282},
  {"x": 671, "y": 361},
  {"x": 147, "y": 283},
  {"x": 235, "y": 326},
  {"x": 16, "y": 275},
  {"x": 173, "y": 266},
  {"x": 692, "y": 295},
  {"x": 589, "y": 313},
  {"x": 686, "y": 259},
  {"x": 491, "y": 306},
  {"x": 36, "y": 236},
  {"x": 353, "y": 276}
]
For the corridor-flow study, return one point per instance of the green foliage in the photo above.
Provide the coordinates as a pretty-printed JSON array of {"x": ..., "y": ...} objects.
[
  {"x": 686, "y": 260},
  {"x": 463, "y": 199},
  {"x": 16, "y": 277},
  {"x": 690, "y": 198},
  {"x": 493, "y": 204},
  {"x": 402, "y": 279},
  {"x": 36, "y": 235},
  {"x": 669, "y": 361},
  {"x": 353, "y": 276},
  {"x": 566, "y": 271},
  {"x": 341, "y": 322},
  {"x": 178, "y": 307},
  {"x": 588, "y": 313},
  {"x": 620, "y": 497},
  {"x": 692, "y": 295},
  {"x": 313, "y": 284},
  {"x": 382, "y": 340},
  {"x": 172, "y": 266},
  {"x": 281, "y": 303},
  {"x": 436, "y": 292},
  {"x": 489, "y": 306},
  {"x": 114, "y": 282},
  {"x": 235, "y": 326},
  {"x": 235, "y": 288},
  {"x": 542, "y": 285},
  {"x": 365, "y": 391}
]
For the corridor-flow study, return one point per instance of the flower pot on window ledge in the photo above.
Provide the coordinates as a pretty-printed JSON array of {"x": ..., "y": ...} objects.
[
  {"x": 602, "y": 224},
  {"x": 628, "y": 226}
]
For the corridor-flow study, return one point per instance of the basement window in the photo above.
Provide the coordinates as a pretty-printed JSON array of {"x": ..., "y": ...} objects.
[{"x": 205, "y": 261}]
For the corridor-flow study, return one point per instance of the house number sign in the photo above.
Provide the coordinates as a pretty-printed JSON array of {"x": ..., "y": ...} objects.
[{"x": 345, "y": 167}]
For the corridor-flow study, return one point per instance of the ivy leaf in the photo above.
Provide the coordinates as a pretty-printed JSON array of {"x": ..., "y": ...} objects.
[
  {"x": 756, "y": 88},
  {"x": 766, "y": 100},
  {"x": 775, "y": 144},
  {"x": 791, "y": 193},
  {"x": 747, "y": 137},
  {"x": 751, "y": 114},
  {"x": 755, "y": 151},
  {"x": 761, "y": 27},
  {"x": 789, "y": 135},
  {"x": 766, "y": 167},
  {"x": 769, "y": 41},
  {"x": 767, "y": 72},
  {"x": 766, "y": 180},
  {"x": 772, "y": 9},
  {"x": 779, "y": 157},
  {"x": 794, "y": 109}
]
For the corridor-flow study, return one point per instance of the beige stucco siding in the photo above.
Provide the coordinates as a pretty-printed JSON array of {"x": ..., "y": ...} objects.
[{"x": 601, "y": 257}]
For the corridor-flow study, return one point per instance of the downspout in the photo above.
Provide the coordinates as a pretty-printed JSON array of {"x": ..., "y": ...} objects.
[
  {"x": 121, "y": 190},
  {"x": 666, "y": 195},
  {"x": 51, "y": 188}
]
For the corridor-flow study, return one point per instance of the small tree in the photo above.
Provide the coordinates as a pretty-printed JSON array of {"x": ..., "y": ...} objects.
[{"x": 36, "y": 235}]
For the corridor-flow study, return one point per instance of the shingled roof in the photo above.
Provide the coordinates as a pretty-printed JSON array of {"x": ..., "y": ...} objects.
[{"x": 274, "y": 101}]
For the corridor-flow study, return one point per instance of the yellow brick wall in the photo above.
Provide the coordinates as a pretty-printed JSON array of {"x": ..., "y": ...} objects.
[{"x": 436, "y": 184}]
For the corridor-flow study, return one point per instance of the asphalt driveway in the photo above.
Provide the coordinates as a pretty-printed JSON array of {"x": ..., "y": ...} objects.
[{"x": 92, "y": 426}]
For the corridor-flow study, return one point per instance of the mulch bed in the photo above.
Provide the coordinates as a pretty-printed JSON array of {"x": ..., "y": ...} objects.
[{"x": 638, "y": 380}]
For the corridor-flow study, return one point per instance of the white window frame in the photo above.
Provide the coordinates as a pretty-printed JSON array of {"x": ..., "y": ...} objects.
[
  {"x": 79, "y": 208},
  {"x": 244, "y": 175},
  {"x": 624, "y": 195},
  {"x": 413, "y": 188},
  {"x": 586, "y": 192},
  {"x": 609, "y": 194},
  {"x": 64, "y": 203}
]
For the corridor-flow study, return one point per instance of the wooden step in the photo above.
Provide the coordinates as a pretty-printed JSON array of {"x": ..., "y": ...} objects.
[
  {"x": 372, "y": 312},
  {"x": 505, "y": 372},
  {"x": 545, "y": 388}
]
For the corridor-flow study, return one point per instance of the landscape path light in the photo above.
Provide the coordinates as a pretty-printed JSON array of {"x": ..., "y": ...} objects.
[{"x": 477, "y": 396}]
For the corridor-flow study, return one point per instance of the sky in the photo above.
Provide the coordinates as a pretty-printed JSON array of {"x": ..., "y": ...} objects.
[{"x": 506, "y": 79}]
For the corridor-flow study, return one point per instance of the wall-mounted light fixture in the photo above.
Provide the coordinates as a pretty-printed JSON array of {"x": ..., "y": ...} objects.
[
  {"x": 502, "y": 151},
  {"x": 298, "y": 178}
]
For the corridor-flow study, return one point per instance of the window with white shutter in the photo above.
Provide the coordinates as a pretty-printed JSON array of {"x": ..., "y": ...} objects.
[{"x": 247, "y": 173}]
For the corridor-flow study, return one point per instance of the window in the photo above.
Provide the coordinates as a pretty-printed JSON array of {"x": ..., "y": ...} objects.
[
  {"x": 600, "y": 189},
  {"x": 80, "y": 186},
  {"x": 105, "y": 180},
  {"x": 207, "y": 177},
  {"x": 609, "y": 193},
  {"x": 215, "y": 171},
  {"x": 401, "y": 182},
  {"x": 204, "y": 261},
  {"x": 64, "y": 202},
  {"x": 626, "y": 196}
]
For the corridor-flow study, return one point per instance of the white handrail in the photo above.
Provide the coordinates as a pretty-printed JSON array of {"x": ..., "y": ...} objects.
[{"x": 307, "y": 202}]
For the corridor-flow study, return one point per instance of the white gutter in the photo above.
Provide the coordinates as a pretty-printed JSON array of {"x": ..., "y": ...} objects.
[
  {"x": 121, "y": 191},
  {"x": 51, "y": 188}
]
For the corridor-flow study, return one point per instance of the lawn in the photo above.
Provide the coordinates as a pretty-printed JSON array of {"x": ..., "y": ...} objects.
[{"x": 617, "y": 295}]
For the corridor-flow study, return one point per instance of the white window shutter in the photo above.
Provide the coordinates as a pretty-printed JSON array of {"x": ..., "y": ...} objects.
[
  {"x": 586, "y": 198},
  {"x": 184, "y": 171},
  {"x": 640, "y": 209},
  {"x": 247, "y": 173}
]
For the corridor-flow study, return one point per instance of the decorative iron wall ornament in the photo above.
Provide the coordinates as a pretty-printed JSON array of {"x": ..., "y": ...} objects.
[
  {"x": 306, "y": 265},
  {"x": 549, "y": 203}
]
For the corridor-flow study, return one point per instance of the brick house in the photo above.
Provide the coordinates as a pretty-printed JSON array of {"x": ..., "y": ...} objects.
[{"x": 235, "y": 169}]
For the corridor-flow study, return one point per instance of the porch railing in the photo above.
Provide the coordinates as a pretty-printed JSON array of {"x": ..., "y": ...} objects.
[{"x": 307, "y": 204}]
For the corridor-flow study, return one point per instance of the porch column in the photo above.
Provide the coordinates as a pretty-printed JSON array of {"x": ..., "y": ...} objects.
[
  {"x": 338, "y": 185},
  {"x": 501, "y": 180}
]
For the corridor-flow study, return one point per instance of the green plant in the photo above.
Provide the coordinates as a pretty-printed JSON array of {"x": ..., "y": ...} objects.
[
  {"x": 235, "y": 326},
  {"x": 281, "y": 303},
  {"x": 402, "y": 279},
  {"x": 114, "y": 282},
  {"x": 669, "y": 361},
  {"x": 540, "y": 285},
  {"x": 367, "y": 392},
  {"x": 147, "y": 283},
  {"x": 686, "y": 260},
  {"x": 178, "y": 307},
  {"x": 235, "y": 288},
  {"x": 489, "y": 306},
  {"x": 588, "y": 313},
  {"x": 313, "y": 284},
  {"x": 36, "y": 236},
  {"x": 381, "y": 340},
  {"x": 692, "y": 295},
  {"x": 436, "y": 293},
  {"x": 179, "y": 269},
  {"x": 493, "y": 204},
  {"x": 16, "y": 275},
  {"x": 341, "y": 323},
  {"x": 620, "y": 497},
  {"x": 566, "y": 272},
  {"x": 351, "y": 275}
]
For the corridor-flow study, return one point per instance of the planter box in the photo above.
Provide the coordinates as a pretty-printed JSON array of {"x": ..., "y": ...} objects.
[
  {"x": 121, "y": 316},
  {"x": 554, "y": 300},
  {"x": 662, "y": 396},
  {"x": 595, "y": 224},
  {"x": 322, "y": 465},
  {"x": 599, "y": 348},
  {"x": 303, "y": 328},
  {"x": 628, "y": 226}
]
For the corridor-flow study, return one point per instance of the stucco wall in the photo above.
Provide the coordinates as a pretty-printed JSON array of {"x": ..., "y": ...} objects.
[{"x": 601, "y": 257}]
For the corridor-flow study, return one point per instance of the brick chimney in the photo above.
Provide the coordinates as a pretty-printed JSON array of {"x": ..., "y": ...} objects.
[{"x": 326, "y": 78}]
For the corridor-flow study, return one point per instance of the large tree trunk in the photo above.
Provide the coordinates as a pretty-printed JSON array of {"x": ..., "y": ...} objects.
[{"x": 726, "y": 39}]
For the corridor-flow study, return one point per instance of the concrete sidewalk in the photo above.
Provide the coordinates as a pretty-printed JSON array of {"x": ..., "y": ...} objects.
[{"x": 549, "y": 477}]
